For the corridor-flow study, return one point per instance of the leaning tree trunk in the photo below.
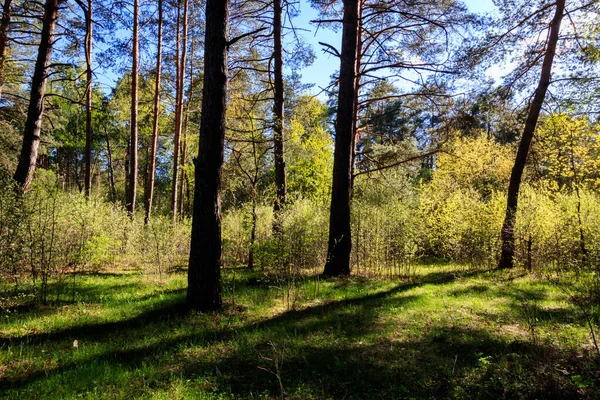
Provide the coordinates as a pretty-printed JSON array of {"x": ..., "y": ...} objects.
[
  {"x": 340, "y": 242},
  {"x": 278, "y": 134},
  {"x": 4, "y": 39},
  {"x": 508, "y": 227},
  {"x": 88, "y": 100},
  {"x": 204, "y": 273},
  {"x": 149, "y": 189},
  {"x": 33, "y": 124},
  {"x": 133, "y": 167}
]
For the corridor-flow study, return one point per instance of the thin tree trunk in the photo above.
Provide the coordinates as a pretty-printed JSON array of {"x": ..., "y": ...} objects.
[
  {"x": 149, "y": 189},
  {"x": 278, "y": 133},
  {"x": 508, "y": 227},
  {"x": 184, "y": 151},
  {"x": 340, "y": 242},
  {"x": 179, "y": 108},
  {"x": 33, "y": 124},
  {"x": 204, "y": 273},
  {"x": 4, "y": 39},
  {"x": 111, "y": 171},
  {"x": 252, "y": 232},
  {"x": 88, "y": 101},
  {"x": 183, "y": 162},
  {"x": 133, "y": 169},
  {"x": 127, "y": 167}
]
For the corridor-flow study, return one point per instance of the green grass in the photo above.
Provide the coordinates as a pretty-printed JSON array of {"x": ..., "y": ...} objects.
[{"x": 449, "y": 333}]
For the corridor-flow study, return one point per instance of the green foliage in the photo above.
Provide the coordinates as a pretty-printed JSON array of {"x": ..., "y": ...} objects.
[
  {"x": 567, "y": 152},
  {"x": 301, "y": 245},
  {"x": 462, "y": 207},
  {"x": 49, "y": 235},
  {"x": 309, "y": 150}
]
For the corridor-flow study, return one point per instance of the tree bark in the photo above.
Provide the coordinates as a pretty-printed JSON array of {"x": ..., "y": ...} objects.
[
  {"x": 149, "y": 189},
  {"x": 340, "y": 242},
  {"x": 35, "y": 111},
  {"x": 204, "y": 273},
  {"x": 508, "y": 227},
  {"x": 180, "y": 77},
  {"x": 133, "y": 168},
  {"x": 278, "y": 133},
  {"x": 356, "y": 93},
  {"x": 4, "y": 39},
  {"x": 88, "y": 100}
]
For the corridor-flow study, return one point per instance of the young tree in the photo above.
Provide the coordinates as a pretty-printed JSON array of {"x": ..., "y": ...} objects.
[
  {"x": 204, "y": 273},
  {"x": 33, "y": 125},
  {"x": 508, "y": 237},
  {"x": 340, "y": 242}
]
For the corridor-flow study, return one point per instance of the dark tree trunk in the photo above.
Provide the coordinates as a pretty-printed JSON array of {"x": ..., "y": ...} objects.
[
  {"x": 340, "y": 242},
  {"x": 149, "y": 189},
  {"x": 33, "y": 124},
  {"x": 4, "y": 39},
  {"x": 180, "y": 77},
  {"x": 508, "y": 227},
  {"x": 204, "y": 273},
  {"x": 278, "y": 134},
  {"x": 133, "y": 167},
  {"x": 356, "y": 92},
  {"x": 88, "y": 101}
]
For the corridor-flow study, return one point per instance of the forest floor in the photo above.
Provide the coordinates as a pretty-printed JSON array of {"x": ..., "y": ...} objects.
[{"x": 449, "y": 332}]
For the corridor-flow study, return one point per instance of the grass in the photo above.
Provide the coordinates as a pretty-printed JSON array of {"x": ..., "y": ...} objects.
[{"x": 448, "y": 333}]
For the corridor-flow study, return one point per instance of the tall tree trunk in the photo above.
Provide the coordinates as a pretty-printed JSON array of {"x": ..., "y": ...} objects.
[
  {"x": 149, "y": 188},
  {"x": 204, "y": 273},
  {"x": 88, "y": 101},
  {"x": 133, "y": 168},
  {"x": 180, "y": 77},
  {"x": 278, "y": 134},
  {"x": 4, "y": 39},
  {"x": 508, "y": 227},
  {"x": 184, "y": 151},
  {"x": 340, "y": 242},
  {"x": 356, "y": 93},
  {"x": 33, "y": 124}
]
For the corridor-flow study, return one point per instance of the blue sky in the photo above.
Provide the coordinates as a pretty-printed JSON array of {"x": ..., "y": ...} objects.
[{"x": 325, "y": 65}]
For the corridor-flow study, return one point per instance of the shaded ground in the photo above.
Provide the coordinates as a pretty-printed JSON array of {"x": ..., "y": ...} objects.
[{"x": 450, "y": 334}]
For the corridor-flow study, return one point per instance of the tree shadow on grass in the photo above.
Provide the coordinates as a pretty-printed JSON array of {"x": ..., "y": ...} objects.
[
  {"x": 323, "y": 352},
  {"x": 175, "y": 307}
]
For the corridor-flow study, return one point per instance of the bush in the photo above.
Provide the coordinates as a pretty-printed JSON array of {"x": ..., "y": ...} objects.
[{"x": 49, "y": 234}]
